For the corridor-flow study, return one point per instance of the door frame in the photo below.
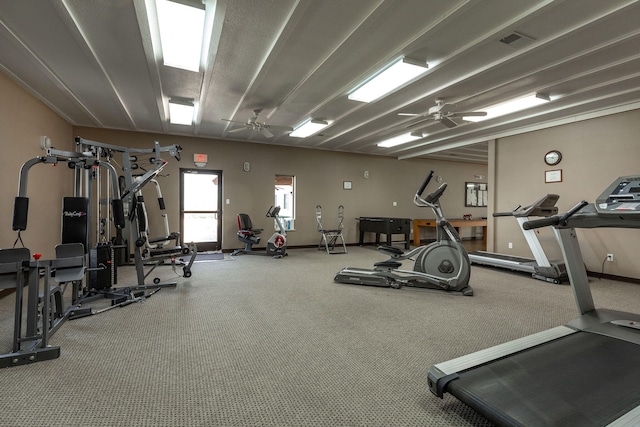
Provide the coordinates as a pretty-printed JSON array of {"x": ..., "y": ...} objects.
[{"x": 203, "y": 246}]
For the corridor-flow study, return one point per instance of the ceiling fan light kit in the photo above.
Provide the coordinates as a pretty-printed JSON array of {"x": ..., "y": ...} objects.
[{"x": 441, "y": 112}]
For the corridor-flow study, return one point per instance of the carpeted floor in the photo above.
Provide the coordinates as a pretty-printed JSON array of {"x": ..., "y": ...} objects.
[
  {"x": 207, "y": 256},
  {"x": 275, "y": 342}
]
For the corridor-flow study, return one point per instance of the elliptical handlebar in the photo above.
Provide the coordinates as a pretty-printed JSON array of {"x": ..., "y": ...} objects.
[
  {"x": 424, "y": 184},
  {"x": 433, "y": 197}
]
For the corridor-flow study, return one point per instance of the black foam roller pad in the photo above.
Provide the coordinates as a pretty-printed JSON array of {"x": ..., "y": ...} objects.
[
  {"x": 118, "y": 213},
  {"x": 20, "y": 213}
]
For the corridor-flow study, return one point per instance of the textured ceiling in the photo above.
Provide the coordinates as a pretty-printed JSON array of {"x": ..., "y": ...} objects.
[{"x": 96, "y": 63}]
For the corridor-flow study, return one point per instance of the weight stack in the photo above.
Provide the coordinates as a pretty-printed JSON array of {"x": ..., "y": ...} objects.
[{"x": 102, "y": 255}]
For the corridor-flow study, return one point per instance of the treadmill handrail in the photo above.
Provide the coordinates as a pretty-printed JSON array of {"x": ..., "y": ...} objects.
[{"x": 554, "y": 220}]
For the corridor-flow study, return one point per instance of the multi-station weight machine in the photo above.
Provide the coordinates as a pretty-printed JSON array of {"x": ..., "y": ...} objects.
[{"x": 87, "y": 222}]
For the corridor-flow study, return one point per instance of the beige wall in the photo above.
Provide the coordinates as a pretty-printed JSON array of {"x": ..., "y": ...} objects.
[
  {"x": 594, "y": 153},
  {"x": 23, "y": 120},
  {"x": 319, "y": 179}
]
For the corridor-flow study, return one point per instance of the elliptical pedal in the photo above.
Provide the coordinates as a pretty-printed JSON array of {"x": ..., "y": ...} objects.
[{"x": 388, "y": 264}]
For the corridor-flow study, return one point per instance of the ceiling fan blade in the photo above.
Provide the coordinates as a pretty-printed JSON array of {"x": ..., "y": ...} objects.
[
  {"x": 448, "y": 122},
  {"x": 419, "y": 122},
  {"x": 280, "y": 128},
  {"x": 237, "y": 130},
  {"x": 410, "y": 114},
  {"x": 232, "y": 121},
  {"x": 265, "y": 132},
  {"x": 470, "y": 114}
]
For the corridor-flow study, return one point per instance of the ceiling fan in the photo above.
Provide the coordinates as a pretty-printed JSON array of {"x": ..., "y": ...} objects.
[
  {"x": 441, "y": 113},
  {"x": 253, "y": 124}
]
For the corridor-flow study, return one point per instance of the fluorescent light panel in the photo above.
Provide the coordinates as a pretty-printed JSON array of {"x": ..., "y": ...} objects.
[
  {"x": 181, "y": 113},
  {"x": 181, "y": 31},
  {"x": 392, "y": 77},
  {"x": 398, "y": 140},
  {"x": 309, "y": 128},
  {"x": 511, "y": 106}
]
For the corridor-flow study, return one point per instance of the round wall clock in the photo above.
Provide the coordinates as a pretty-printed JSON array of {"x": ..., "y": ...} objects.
[{"x": 553, "y": 157}]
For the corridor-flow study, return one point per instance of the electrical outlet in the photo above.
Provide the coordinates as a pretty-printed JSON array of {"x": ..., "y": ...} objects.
[
  {"x": 510, "y": 245},
  {"x": 610, "y": 257}
]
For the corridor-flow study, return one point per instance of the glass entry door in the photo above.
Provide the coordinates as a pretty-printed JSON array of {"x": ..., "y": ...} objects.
[{"x": 200, "y": 208}]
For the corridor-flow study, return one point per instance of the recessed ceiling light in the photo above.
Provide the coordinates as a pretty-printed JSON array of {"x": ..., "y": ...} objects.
[
  {"x": 181, "y": 112},
  {"x": 399, "y": 140},
  {"x": 181, "y": 30},
  {"x": 309, "y": 128},
  {"x": 511, "y": 106},
  {"x": 388, "y": 79}
]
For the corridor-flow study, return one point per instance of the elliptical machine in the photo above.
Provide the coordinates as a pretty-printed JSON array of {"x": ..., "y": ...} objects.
[
  {"x": 277, "y": 243},
  {"x": 442, "y": 265}
]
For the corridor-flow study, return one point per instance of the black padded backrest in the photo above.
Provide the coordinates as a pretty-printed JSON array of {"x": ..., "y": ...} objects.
[
  {"x": 244, "y": 222},
  {"x": 74, "y": 219}
]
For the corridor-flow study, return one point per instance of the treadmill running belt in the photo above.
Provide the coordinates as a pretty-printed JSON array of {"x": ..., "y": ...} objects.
[
  {"x": 581, "y": 380},
  {"x": 488, "y": 256}
]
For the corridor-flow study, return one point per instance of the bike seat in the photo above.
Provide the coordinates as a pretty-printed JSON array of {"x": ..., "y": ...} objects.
[
  {"x": 393, "y": 251},
  {"x": 388, "y": 264}
]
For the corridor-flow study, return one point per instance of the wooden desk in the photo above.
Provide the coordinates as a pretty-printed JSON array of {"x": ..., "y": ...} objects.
[{"x": 455, "y": 223}]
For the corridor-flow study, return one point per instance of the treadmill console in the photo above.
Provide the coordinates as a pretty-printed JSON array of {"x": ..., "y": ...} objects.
[{"x": 622, "y": 197}]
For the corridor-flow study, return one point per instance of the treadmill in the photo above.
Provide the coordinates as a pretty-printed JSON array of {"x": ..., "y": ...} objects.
[
  {"x": 539, "y": 267},
  {"x": 586, "y": 373}
]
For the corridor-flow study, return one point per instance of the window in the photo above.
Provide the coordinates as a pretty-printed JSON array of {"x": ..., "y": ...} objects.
[{"x": 285, "y": 192}]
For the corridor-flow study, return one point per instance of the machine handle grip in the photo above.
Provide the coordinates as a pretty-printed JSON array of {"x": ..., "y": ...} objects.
[
  {"x": 542, "y": 222},
  {"x": 554, "y": 220},
  {"x": 435, "y": 196},
  {"x": 503, "y": 214},
  {"x": 273, "y": 212},
  {"x": 507, "y": 213},
  {"x": 425, "y": 183},
  {"x": 572, "y": 211}
]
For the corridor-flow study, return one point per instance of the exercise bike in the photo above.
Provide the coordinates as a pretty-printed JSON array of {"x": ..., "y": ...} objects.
[
  {"x": 442, "y": 265},
  {"x": 277, "y": 243}
]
